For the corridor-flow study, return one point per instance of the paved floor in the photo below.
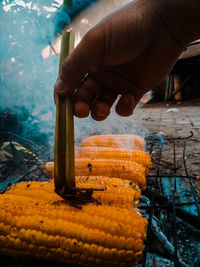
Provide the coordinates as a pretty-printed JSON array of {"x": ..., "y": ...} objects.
[{"x": 175, "y": 121}]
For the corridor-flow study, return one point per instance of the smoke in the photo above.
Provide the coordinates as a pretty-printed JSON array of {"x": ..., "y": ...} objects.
[
  {"x": 114, "y": 124},
  {"x": 29, "y": 67},
  {"x": 26, "y": 79}
]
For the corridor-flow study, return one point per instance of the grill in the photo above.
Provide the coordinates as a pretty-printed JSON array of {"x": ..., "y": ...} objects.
[
  {"x": 24, "y": 165},
  {"x": 170, "y": 202},
  {"x": 172, "y": 205}
]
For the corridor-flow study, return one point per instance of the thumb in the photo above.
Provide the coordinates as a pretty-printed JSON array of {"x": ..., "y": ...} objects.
[{"x": 84, "y": 59}]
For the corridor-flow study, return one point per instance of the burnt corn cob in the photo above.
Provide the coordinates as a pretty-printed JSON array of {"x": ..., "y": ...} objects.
[
  {"x": 48, "y": 228},
  {"x": 94, "y": 152},
  {"x": 123, "y": 169},
  {"x": 129, "y": 141}
]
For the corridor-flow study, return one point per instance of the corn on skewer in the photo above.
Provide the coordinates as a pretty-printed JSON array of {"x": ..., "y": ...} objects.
[
  {"x": 93, "y": 152},
  {"x": 128, "y": 141},
  {"x": 116, "y": 193},
  {"x": 109, "y": 167},
  {"x": 93, "y": 236}
]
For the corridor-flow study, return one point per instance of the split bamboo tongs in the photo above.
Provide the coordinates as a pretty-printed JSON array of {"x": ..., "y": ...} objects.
[{"x": 64, "y": 160}]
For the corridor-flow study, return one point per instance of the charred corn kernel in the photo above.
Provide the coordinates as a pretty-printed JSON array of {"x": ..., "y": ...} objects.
[
  {"x": 98, "y": 262},
  {"x": 122, "y": 254},
  {"x": 42, "y": 249},
  {"x": 93, "y": 249},
  {"x": 83, "y": 258},
  {"x": 115, "y": 263},
  {"x": 106, "y": 253},
  {"x": 108, "y": 241},
  {"x": 75, "y": 257},
  {"x": 14, "y": 232},
  {"x": 94, "y": 152},
  {"x": 91, "y": 260},
  {"x": 49, "y": 228},
  {"x": 114, "y": 253},
  {"x": 32, "y": 247},
  {"x": 129, "y": 141},
  {"x": 3, "y": 240},
  {"x": 138, "y": 256},
  {"x": 86, "y": 249},
  {"x": 129, "y": 255},
  {"x": 126, "y": 170},
  {"x": 50, "y": 240},
  {"x": 100, "y": 250}
]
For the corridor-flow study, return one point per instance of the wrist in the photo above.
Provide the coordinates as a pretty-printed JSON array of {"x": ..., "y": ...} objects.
[{"x": 181, "y": 18}]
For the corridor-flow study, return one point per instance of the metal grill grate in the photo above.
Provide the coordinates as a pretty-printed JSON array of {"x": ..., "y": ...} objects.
[
  {"x": 20, "y": 166},
  {"x": 174, "y": 202}
]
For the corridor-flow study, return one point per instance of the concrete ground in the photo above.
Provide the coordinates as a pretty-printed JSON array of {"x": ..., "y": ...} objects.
[{"x": 175, "y": 121}]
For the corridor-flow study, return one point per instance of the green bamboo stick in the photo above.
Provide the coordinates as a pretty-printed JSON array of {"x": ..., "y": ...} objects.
[{"x": 64, "y": 175}]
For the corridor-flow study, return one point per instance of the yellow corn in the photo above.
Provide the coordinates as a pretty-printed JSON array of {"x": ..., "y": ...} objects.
[
  {"x": 106, "y": 167},
  {"x": 94, "y": 152},
  {"x": 117, "y": 192},
  {"x": 48, "y": 228},
  {"x": 129, "y": 141}
]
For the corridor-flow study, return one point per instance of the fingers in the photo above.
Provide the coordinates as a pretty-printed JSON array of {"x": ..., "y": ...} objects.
[
  {"x": 95, "y": 97},
  {"x": 85, "y": 58},
  {"x": 73, "y": 71},
  {"x": 128, "y": 102},
  {"x": 101, "y": 107},
  {"x": 84, "y": 97},
  {"x": 100, "y": 111},
  {"x": 125, "y": 105},
  {"x": 92, "y": 96}
]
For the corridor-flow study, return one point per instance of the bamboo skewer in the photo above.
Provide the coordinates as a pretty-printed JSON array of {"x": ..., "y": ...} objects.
[
  {"x": 64, "y": 166},
  {"x": 64, "y": 177}
]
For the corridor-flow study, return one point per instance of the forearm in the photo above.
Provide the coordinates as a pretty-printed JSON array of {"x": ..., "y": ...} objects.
[{"x": 180, "y": 17}]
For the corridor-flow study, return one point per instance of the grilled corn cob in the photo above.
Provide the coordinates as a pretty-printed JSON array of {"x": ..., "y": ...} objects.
[
  {"x": 94, "y": 152},
  {"x": 116, "y": 192},
  {"x": 129, "y": 141},
  {"x": 51, "y": 229},
  {"x": 106, "y": 167}
]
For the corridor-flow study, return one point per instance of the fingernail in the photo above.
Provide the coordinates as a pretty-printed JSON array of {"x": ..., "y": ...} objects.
[{"x": 59, "y": 86}]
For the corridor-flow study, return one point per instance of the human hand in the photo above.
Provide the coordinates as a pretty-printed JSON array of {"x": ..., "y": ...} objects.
[{"x": 126, "y": 54}]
